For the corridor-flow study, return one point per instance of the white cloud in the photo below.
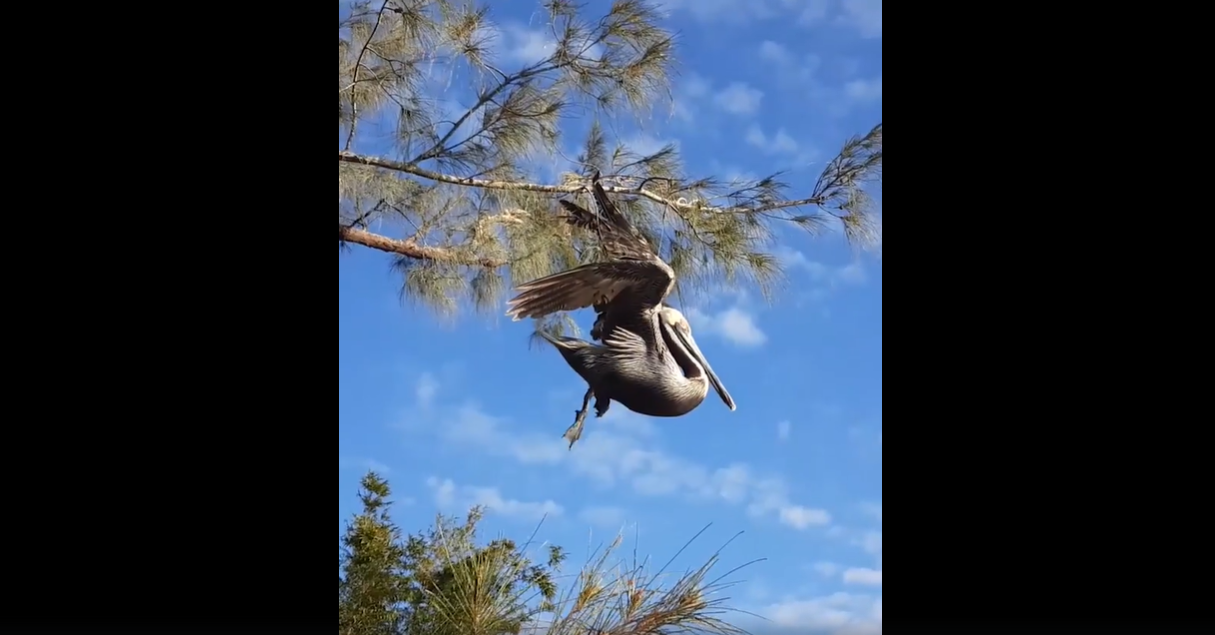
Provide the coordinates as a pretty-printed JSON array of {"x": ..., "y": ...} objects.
[
  {"x": 779, "y": 143},
  {"x": 739, "y": 327},
  {"x": 362, "y": 463},
  {"x": 603, "y": 517},
  {"x": 864, "y": 90},
  {"x": 775, "y": 52},
  {"x": 871, "y": 542},
  {"x": 800, "y": 76},
  {"x": 862, "y": 575},
  {"x": 800, "y": 517},
  {"x": 426, "y": 389},
  {"x": 691, "y": 89},
  {"x": 522, "y": 45},
  {"x": 783, "y": 428},
  {"x": 695, "y": 86},
  {"x": 449, "y": 495},
  {"x": 873, "y": 509},
  {"x": 850, "y": 274},
  {"x": 621, "y": 454},
  {"x": 739, "y": 99},
  {"x": 814, "y": 12},
  {"x": 864, "y": 15},
  {"x": 731, "y": 10},
  {"x": 790, "y": 70},
  {"x": 629, "y": 422},
  {"x": 826, "y": 569},
  {"x": 646, "y": 145},
  {"x": 836, "y": 613},
  {"x": 733, "y": 324}
]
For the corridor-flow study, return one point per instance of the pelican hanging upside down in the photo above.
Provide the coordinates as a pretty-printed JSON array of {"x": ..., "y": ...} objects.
[{"x": 648, "y": 360}]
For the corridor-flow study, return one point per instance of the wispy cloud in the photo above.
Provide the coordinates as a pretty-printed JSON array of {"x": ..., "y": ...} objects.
[
  {"x": 778, "y": 143},
  {"x": 448, "y": 495},
  {"x": 863, "y": 576},
  {"x": 783, "y": 429},
  {"x": 425, "y": 390},
  {"x": 646, "y": 145},
  {"x": 849, "y": 274},
  {"x": 611, "y": 456},
  {"x": 733, "y": 324},
  {"x": 695, "y": 86},
  {"x": 523, "y": 45},
  {"x": 802, "y": 517},
  {"x": 832, "y": 87},
  {"x": 734, "y": 10},
  {"x": 826, "y": 569},
  {"x": 864, "y": 90},
  {"x": 362, "y": 464},
  {"x": 738, "y": 98},
  {"x": 688, "y": 93},
  {"x": 871, "y": 542},
  {"x": 775, "y": 52},
  {"x": 603, "y": 517},
  {"x": 863, "y": 15},
  {"x": 814, "y": 12},
  {"x": 837, "y": 613}
]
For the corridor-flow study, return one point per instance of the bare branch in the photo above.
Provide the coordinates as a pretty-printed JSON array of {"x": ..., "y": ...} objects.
[
  {"x": 439, "y": 177},
  {"x": 358, "y": 66},
  {"x": 411, "y": 249}
]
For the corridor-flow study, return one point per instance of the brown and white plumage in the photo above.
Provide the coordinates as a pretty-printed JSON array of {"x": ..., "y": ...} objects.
[
  {"x": 647, "y": 359},
  {"x": 635, "y": 276}
]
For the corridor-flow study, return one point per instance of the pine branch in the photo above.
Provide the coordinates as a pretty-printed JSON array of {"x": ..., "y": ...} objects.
[
  {"x": 358, "y": 66},
  {"x": 410, "y": 249},
  {"x": 439, "y": 177}
]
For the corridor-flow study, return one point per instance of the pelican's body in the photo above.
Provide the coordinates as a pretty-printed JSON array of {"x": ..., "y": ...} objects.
[
  {"x": 659, "y": 380},
  {"x": 647, "y": 359}
]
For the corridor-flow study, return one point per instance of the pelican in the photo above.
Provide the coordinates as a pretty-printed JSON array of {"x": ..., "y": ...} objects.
[{"x": 647, "y": 360}]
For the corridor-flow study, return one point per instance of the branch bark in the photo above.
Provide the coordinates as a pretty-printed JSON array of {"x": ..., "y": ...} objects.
[
  {"x": 409, "y": 168},
  {"x": 411, "y": 249}
]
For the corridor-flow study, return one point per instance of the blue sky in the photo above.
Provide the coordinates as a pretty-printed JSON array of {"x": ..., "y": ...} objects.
[{"x": 463, "y": 412}]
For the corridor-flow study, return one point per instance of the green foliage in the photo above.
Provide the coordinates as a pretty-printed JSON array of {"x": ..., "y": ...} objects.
[
  {"x": 373, "y": 581},
  {"x": 463, "y": 190},
  {"x": 436, "y": 583},
  {"x": 442, "y": 582}
]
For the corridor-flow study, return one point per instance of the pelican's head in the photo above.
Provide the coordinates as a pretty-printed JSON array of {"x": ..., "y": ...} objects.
[{"x": 680, "y": 332}]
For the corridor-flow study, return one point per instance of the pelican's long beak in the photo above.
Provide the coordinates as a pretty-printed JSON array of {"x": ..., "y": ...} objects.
[{"x": 690, "y": 344}]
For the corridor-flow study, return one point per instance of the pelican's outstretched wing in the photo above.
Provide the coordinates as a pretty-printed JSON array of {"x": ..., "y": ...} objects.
[
  {"x": 636, "y": 277},
  {"x": 638, "y": 283},
  {"x": 617, "y": 236}
]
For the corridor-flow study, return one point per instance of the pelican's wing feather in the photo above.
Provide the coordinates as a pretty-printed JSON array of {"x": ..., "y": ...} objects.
[
  {"x": 617, "y": 236},
  {"x": 621, "y": 243},
  {"x": 625, "y": 345},
  {"x": 643, "y": 284}
]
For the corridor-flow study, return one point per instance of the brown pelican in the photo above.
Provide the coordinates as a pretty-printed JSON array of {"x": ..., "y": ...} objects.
[{"x": 648, "y": 360}]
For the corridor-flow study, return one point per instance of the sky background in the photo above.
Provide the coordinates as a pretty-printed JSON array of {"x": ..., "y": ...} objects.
[{"x": 463, "y": 413}]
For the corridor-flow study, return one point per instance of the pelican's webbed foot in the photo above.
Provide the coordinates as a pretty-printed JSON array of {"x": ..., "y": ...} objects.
[{"x": 574, "y": 432}]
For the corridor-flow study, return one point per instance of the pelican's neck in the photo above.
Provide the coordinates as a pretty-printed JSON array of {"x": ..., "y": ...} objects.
[{"x": 686, "y": 362}]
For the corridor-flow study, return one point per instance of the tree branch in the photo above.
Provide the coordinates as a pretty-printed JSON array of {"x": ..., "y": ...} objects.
[
  {"x": 410, "y": 249},
  {"x": 408, "y": 168},
  {"x": 354, "y": 81}
]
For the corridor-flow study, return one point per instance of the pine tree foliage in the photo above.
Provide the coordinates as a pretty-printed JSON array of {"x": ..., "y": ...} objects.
[
  {"x": 445, "y": 582},
  {"x": 456, "y": 196},
  {"x": 460, "y": 588},
  {"x": 373, "y": 581}
]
